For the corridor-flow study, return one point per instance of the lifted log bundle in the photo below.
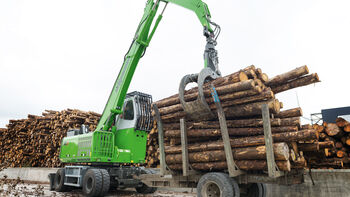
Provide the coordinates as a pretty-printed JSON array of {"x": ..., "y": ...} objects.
[
  {"x": 241, "y": 104},
  {"x": 36, "y": 141}
]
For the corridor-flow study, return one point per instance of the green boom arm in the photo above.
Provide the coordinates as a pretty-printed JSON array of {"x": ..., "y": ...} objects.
[{"x": 139, "y": 44}]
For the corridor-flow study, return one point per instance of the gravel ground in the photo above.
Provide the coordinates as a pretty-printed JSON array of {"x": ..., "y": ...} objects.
[{"x": 19, "y": 188}]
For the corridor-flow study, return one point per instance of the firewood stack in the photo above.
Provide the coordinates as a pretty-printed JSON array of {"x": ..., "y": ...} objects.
[
  {"x": 36, "y": 141},
  {"x": 333, "y": 148},
  {"x": 242, "y": 95}
]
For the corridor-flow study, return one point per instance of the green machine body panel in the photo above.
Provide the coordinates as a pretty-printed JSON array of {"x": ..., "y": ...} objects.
[
  {"x": 105, "y": 147},
  {"x": 121, "y": 134}
]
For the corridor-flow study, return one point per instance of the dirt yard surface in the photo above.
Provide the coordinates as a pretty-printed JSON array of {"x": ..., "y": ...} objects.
[{"x": 19, "y": 188}]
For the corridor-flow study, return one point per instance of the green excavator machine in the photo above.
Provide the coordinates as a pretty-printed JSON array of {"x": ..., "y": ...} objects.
[{"x": 121, "y": 134}]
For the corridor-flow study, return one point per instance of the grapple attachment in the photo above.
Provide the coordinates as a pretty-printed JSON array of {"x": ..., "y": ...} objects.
[{"x": 199, "y": 108}]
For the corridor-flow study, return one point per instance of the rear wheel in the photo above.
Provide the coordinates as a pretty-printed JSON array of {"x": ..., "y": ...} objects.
[
  {"x": 255, "y": 190},
  {"x": 217, "y": 185},
  {"x": 93, "y": 183},
  {"x": 59, "y": 181}
]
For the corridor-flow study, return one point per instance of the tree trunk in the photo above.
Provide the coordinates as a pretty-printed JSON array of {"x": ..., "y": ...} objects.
[
  {"x": 295, "y": 112},
  {"x": 245, "y": 110},
  {"x": 230, "y": 124},
  {"x": 281, "y": 152},
  {"x": 309, "y": 147},
  {"x": 251, "y": 109},
  {"x": 302, "y": 135},
  {"x": 242, "y": 164},
  {"x": 295, "y": 121},
  {"x": 221, "y": 81},
  {"x": 267, "y": 94},
  {"x": 232, "y": 131},
  {"x": 254, "y": 90},
  {"x": 285, "y": 77},
  {"x": 303, "y": 81}
]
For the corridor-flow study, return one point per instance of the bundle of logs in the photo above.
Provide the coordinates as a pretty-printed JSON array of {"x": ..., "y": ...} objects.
[
  {"x": 36, "y": 141},
  {"x": 333, "y": 148},
  {"x": 241, "y": 95}
]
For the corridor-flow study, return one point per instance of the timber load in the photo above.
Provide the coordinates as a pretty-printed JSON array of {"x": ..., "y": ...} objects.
[
  {"x": 36, "y": 140},
  {"x": 241, "y": 95}
]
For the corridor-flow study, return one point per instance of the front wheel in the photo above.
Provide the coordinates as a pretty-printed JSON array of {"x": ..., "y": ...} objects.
[
  {"x": 217, "y": 185},
  {"x": 92, "y": 183}
]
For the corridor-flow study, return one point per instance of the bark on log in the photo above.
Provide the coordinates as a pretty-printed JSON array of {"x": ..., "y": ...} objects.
[
  {"x": 246, "y": 141},
  {"x": 230, "y": 124},
  {"x": 244, "y": 110},
  {"x": 222, "y": 81},
  {"x": 267, "y": 94},
  {"x": 303, "y": 81},
  {"x": 242, "y": 164},
  {"x": 254, "y": 90},
  {"x": 281, "y": 152},
  {"x": 295, "y": 121},
  {"x": 295, "y": 112},
  {"x": 309, "y": 147},
  {"x": 285, "y": 77},
  {"x": 251, "y": 109},
  {"x": 232, "y": 132}
]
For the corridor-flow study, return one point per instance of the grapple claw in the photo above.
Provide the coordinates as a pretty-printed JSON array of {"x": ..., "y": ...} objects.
[{"x": 199, "y": 108}]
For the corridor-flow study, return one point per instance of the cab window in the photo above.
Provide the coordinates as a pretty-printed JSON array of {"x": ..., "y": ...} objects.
[{"x": 128, "y": 113}]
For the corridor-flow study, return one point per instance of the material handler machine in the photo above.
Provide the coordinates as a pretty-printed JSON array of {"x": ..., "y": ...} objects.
[{"x": 101, "y": 159}]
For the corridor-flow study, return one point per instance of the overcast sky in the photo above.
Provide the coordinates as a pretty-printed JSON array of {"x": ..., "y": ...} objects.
[{"x": 67, "y": 53}]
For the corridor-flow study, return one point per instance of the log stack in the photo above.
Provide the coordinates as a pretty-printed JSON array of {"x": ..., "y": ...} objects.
[
  {"x": 241, "y": 94},
  {"x": 333, "y": 148},
  {"x": 36, "y": 141}
]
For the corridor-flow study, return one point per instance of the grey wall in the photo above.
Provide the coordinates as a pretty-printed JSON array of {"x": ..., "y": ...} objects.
[{"x": 328, "y": 183}]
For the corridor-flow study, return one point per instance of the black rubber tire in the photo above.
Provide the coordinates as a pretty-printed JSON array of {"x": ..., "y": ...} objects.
[
  {"x": 92, "y": 183},
  {"x": 221, "y": 182},
  {"x": 256, "y": 190},
  {"x": 59, "y": 181},
  {"x": 106, "y": 182},
  {"x": 236, "y": 189},
  {"x": 144, "y": 189},
  {"x": 264, "y": 193}
]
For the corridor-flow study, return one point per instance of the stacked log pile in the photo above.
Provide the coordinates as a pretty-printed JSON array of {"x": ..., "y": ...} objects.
[
  {"x": 36, "y": 141},
  {"x": 242, "y": 95},
  {"x": 333, "y": 148}
]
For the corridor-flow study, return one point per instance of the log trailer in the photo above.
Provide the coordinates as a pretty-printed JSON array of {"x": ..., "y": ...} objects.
[{"x": 106, "y": 157}]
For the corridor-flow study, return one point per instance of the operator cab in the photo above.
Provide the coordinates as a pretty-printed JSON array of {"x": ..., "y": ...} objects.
[{"x": 136, "y": 112}]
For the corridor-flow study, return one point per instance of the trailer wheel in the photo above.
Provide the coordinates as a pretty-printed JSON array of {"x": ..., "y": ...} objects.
[
  {"x": 106, "y": 181},
  {"x": 59, "y": 181},
  {"x": 217, "y": 185},
  {"x": 92, "y": 183},
  {"x": 144, "y": 189},
  {"x": 256, "y": 190}
]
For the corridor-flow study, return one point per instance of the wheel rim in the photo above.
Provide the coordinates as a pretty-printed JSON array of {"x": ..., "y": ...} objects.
[
  {"x": 89, "y": 184},
  {"x": 211, "y": 189}
]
